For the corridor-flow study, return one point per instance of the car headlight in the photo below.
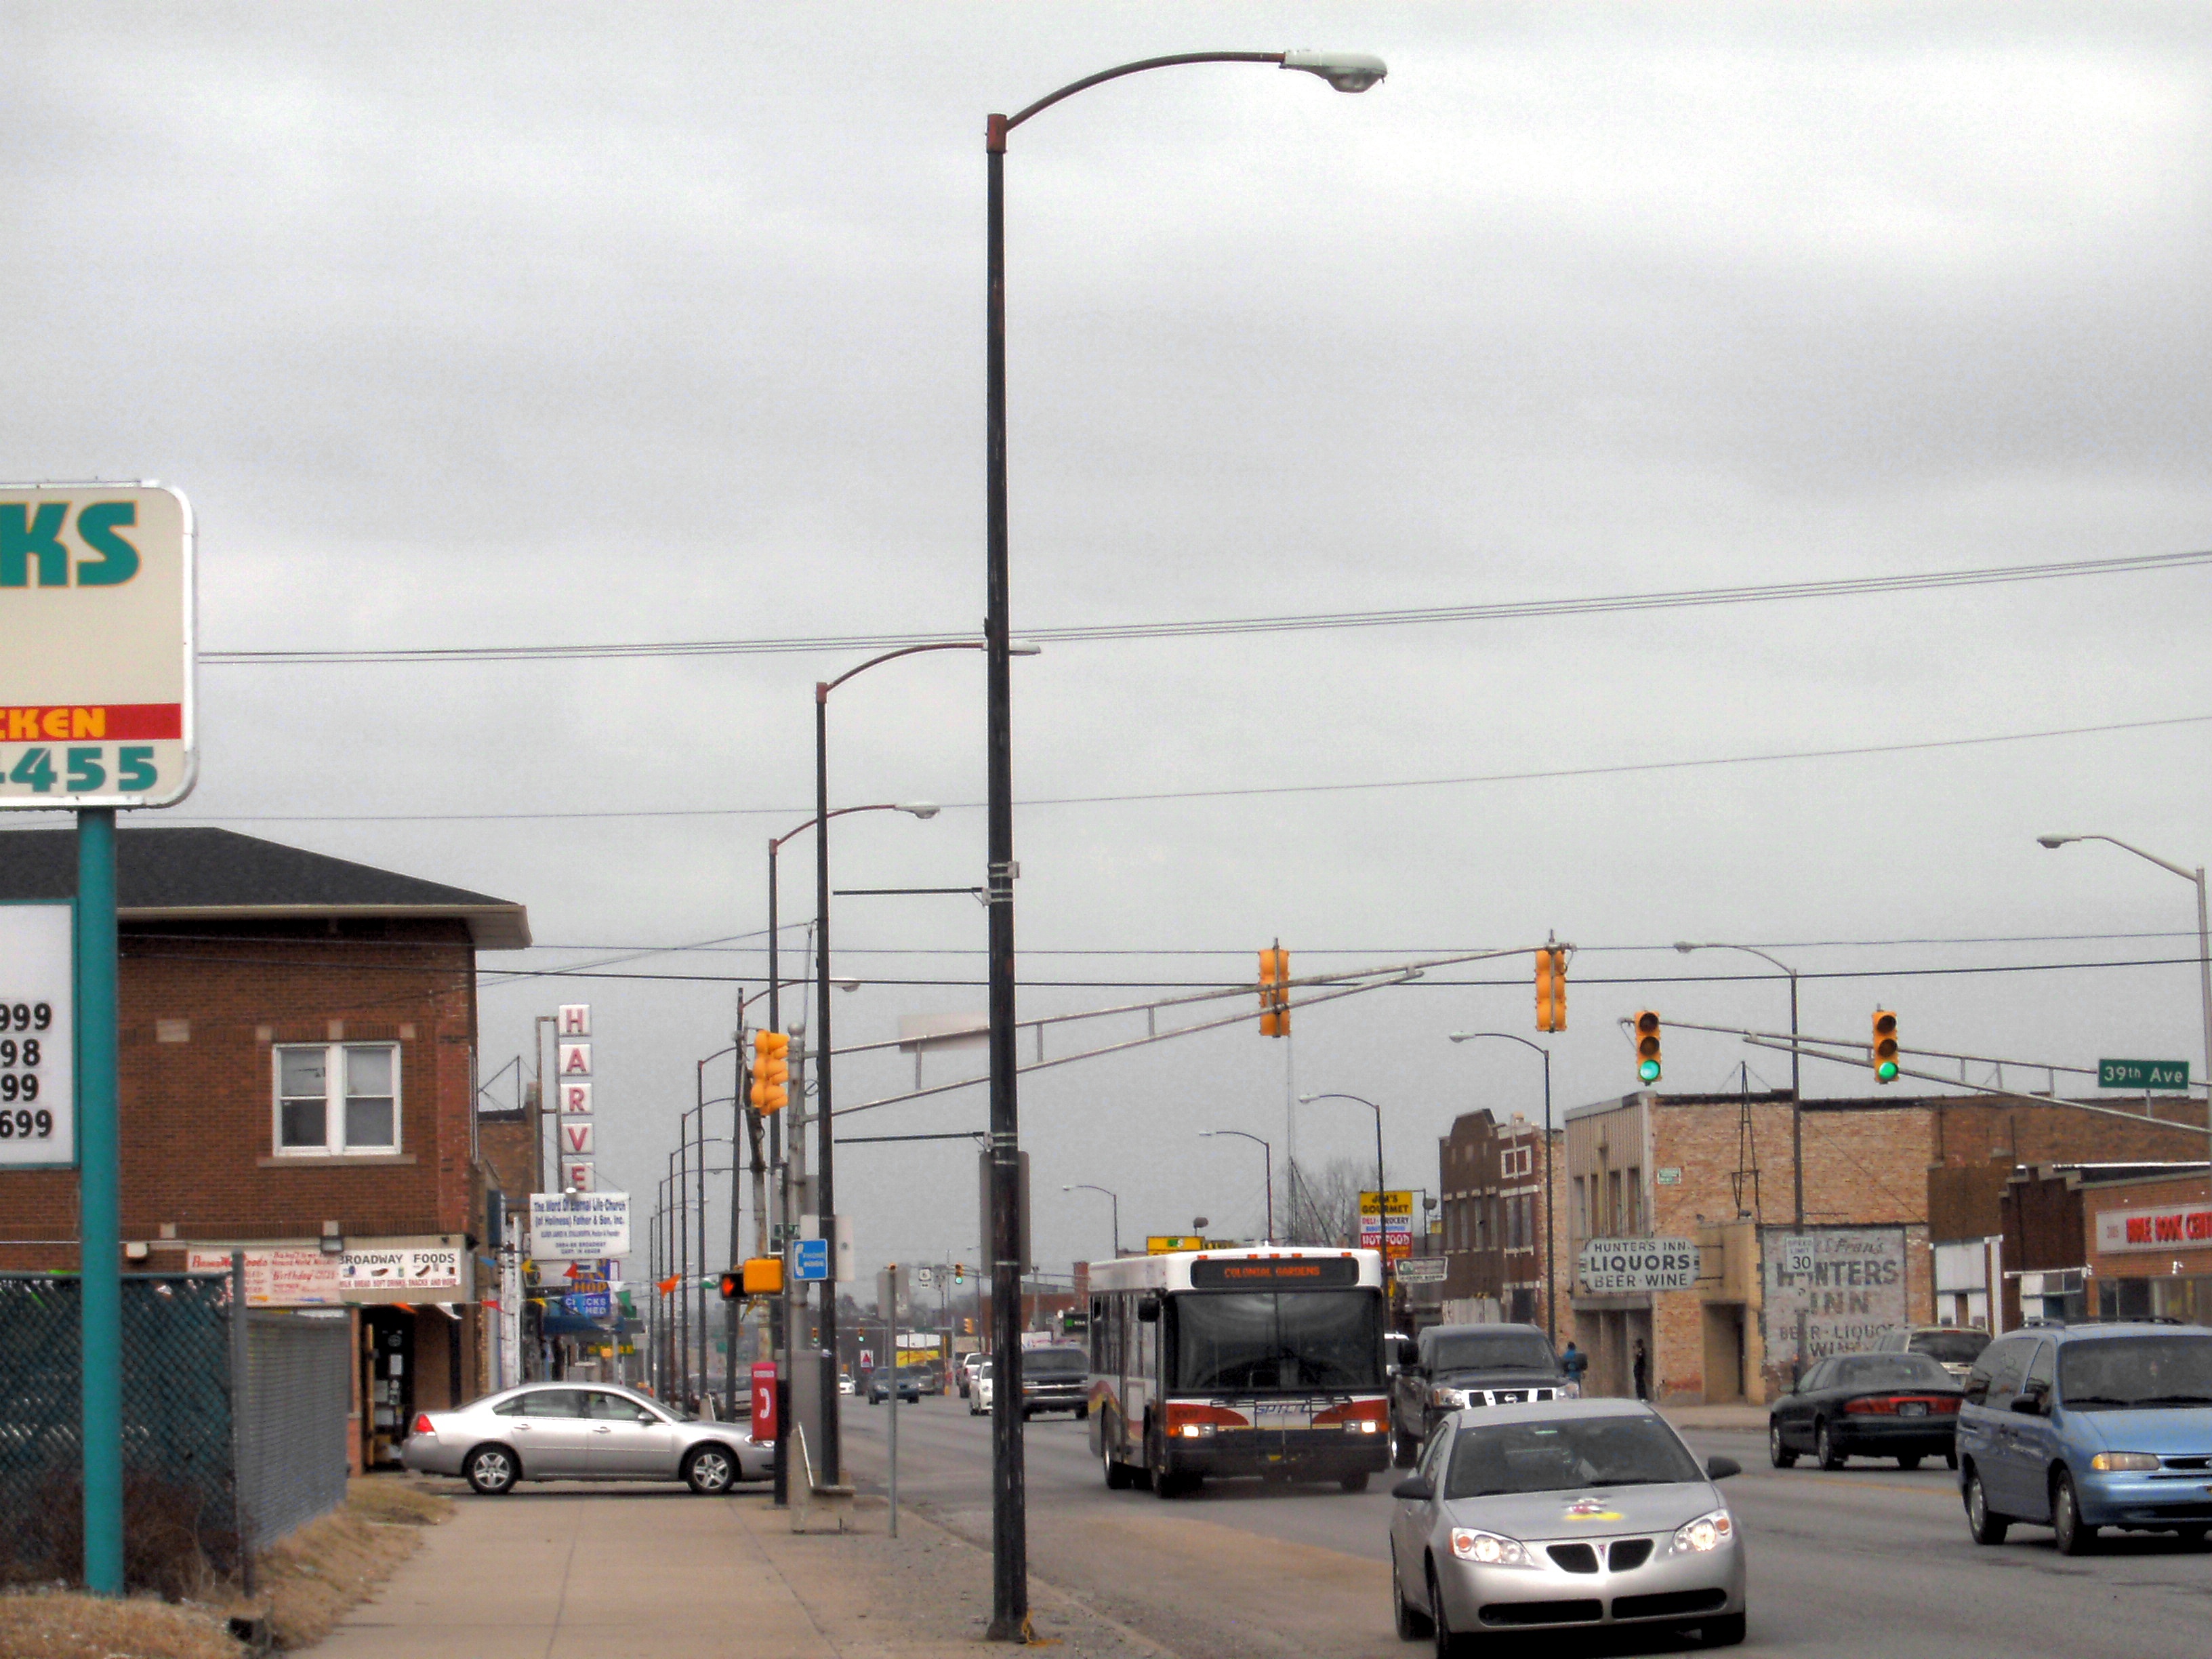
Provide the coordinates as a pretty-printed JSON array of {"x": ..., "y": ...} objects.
[
  {"x": 1571, "y": 1390},
  {"x": 1707, "y": 1531},
  {"x": 1450, "y": 1399},
  {"x": 2123, "y": 1463},
  {"x": 1490, "y": 1549}
]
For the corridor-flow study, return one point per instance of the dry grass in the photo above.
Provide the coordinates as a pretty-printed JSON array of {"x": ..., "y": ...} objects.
[
  {"x": 72, "y": 1627},
  {"x": 311, "y": 1579}
]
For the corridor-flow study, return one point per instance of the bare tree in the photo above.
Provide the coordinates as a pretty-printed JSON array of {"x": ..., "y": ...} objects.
[{"x": 1324, "y": 1203}]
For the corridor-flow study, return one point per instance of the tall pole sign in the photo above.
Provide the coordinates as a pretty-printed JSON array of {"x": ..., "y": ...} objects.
[{"x": 96, "y": 713}]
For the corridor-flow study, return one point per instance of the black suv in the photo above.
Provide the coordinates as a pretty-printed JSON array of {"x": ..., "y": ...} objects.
[
  {"x": 1056, "y": 1379},
  {"x": 1455, "y": 1366}
]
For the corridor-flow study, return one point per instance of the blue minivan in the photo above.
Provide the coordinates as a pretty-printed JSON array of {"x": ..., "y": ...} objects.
[{"x": 2076, "y": 1428}]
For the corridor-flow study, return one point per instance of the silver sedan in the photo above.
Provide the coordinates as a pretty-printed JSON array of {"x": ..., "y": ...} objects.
[
  {"x": 567, "y": 1432},
  {"x": 1585, "y": 1512}
]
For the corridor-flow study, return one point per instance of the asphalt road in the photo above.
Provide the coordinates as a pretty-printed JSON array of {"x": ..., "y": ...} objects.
[{"x": 1866, "y": 1561}]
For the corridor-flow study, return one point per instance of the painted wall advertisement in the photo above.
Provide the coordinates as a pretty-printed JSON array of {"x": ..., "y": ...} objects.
[{"x": 1852, "y": 1292}]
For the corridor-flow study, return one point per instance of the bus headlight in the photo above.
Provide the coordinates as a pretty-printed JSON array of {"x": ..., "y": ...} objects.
[{"x": 1195, "y": 1431}]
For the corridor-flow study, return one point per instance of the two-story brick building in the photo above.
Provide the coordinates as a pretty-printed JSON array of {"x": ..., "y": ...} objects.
[
  {"x": 1500, "y": 1236},
  {"x": 297, "y": 1048}
]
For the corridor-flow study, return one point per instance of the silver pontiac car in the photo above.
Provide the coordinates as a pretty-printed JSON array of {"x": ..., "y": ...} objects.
[
  {"x": 580, "y": 1431},
  {"x": 1575, "y": 1512}
]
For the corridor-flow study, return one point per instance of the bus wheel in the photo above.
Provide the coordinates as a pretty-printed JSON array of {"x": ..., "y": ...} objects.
[
  {"x": 1119, "y": 1476},
  {"x": 1354, "y": 1482}
]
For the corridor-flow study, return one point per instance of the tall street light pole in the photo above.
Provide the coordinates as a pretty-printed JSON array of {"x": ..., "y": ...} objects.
[
  {"x": 2203, "y": 954},
  {"x": 1085, "y": 1186},
  {"x": 1796, "y": 1094},
  {"x": 826, "y": 1200},
  {"x": 1267, "y": 1165},
  {"x": 1551, "y": 1312},
  {"x": 1308, "y": 1100},
  {"x": 1010, "y": 1595}
]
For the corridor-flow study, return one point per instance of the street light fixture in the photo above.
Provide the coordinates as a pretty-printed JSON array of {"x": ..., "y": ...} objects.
[
  {"x": 1551, "y": 1312},
  {"x": 1796, "y": 1095},
  {"x": 1308, "y": 1100},
  {"x": 1347, "y": 72},
  {"x": 2203, "y": 951},
  {"x": 1267, "y": 1165},
  {"x": 1085, "y": 1186}
]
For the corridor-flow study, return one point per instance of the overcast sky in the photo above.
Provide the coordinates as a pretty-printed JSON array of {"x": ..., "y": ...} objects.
[{"x": 478, "y": 325}]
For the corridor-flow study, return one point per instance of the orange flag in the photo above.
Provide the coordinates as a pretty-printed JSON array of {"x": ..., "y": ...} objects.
[{"x": 671, "y": 1283}]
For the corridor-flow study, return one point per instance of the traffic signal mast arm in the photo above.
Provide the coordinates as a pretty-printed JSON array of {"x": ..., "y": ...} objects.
[{"x": 1327, "y": 987}]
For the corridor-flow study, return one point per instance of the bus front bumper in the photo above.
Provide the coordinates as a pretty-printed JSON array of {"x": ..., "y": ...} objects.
[{"x": 1325, "y": 1453}]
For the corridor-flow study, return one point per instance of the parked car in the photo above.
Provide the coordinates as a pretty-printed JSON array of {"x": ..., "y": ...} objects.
[
  {"x": 1955, "y": 1347},
  {"x": 979, "y": 1390},
  {"x": 554, "y": 1431},
  {"x": 1565, "y": 1513},
  {"x": 2088, "y": 1426},
  {"x": 1056, "y": 1379},
  {"x": 1903, "y": 1406},
  {"x": 963, "y": 1373},
  {"x": 909, "y": 1384},
  {"x": 1456, "y": 1366}
]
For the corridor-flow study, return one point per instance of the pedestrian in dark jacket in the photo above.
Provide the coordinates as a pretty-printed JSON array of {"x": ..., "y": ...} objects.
[
  {"x": 1573, "y": 1363},
  {"x": 1641, "y": 1367}
]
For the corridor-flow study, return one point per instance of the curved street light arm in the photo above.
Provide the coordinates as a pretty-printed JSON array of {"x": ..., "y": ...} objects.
[
  {"x": 2125, "y": 846},
  {"x": 1009, "y": 123},
  {"x": 823, "y": 688}
]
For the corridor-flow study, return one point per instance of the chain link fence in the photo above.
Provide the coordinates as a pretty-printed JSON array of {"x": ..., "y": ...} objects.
[{"x": 193, "y": 1492}]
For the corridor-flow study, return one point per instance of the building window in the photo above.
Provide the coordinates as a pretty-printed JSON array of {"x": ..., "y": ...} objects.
[
  {"x": 1515, "y": 1161},
  {"x": 338, "y": 1097},
  {"x": 1582, "y": 1209}
]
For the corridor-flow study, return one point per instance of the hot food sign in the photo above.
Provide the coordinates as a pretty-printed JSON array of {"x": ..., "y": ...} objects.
[{"x": 2177, "y": 1227}]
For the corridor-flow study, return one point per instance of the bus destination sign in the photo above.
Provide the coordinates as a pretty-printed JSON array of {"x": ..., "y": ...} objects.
[{"x": 1271, "y": 1271}]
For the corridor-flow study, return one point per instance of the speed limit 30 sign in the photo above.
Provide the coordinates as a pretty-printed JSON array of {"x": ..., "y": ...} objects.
[
  {"x": 96, "y": 646},
  {"x": 38, "y": 1037}
]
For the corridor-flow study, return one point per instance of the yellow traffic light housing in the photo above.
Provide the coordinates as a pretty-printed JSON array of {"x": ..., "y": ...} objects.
[
  {"x": 1885, "y": 1046},
  {"x": 1551, "y": 989},
  {"x": 1647, "y": 1046},
  {"x": 771, "y": 1071},
  {"x": 763, "y": 1276},
  {"x": 1275, "y": 992}
]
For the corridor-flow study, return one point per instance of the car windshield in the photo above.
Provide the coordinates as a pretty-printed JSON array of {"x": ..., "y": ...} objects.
[
  {"x": 1263, "y": 1340},
  {"x": 1056, "y": 1362},
  {"x": 1504, "y": 1351},
  {"x": 1564, "y": 1454},
  {"x": 1951, "y": 1347},
  {"x": 1890, "y": 1371},
  {"x": 2136, "y": 1370}
]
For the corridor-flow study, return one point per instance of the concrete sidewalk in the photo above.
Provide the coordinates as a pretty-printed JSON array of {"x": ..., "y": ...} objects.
[{"x": 654, "y": 1572}]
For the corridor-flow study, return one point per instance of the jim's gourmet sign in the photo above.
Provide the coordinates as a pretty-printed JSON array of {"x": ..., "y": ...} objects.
[{"x": 2182, "y": 1227}]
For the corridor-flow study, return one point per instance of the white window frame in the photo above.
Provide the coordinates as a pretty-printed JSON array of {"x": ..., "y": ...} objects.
[{"x": 334, "y": 1101}]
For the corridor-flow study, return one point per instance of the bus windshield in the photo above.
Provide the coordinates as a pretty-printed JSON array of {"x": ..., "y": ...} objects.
[{"x": 1261, "y": 1340}]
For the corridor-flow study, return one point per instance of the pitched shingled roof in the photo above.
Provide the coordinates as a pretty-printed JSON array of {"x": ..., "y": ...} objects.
[{"x": 209, "y": 874}]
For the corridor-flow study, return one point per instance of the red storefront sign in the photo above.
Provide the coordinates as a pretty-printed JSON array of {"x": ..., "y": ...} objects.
[{"x": 2173, "y": 1227}]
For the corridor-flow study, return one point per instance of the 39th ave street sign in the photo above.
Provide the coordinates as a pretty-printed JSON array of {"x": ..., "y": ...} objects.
[
  {"x": 96, "y": 646},
  {"x": 2142, "y": 1074}
]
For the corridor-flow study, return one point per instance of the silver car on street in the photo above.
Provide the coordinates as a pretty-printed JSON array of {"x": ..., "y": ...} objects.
[
  {"x": 580, "y": 1431},
  {"x": 1584, "y": 1512}
]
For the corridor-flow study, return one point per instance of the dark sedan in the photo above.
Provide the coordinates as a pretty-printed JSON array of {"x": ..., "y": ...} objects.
[
  {"x": 909, "y": 1384},
  {"x": 1868, "y": 1404}
]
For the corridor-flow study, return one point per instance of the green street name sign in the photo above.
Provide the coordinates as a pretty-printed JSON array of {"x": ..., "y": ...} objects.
[{"x": 2141, "y": 1074}]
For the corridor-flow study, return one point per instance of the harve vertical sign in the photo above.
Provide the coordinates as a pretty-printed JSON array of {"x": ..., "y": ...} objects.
[{"x": 96, "y": 646}]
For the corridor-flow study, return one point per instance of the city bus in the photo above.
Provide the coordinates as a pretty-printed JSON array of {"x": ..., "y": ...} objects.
[{"x": 1264, "y": 1361}]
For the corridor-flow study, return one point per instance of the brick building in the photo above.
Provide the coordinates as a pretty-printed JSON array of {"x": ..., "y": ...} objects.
[
  {"x": 2104, "y": 1241},
  {"x": 1714, "y": 1174},
  {"x": 297, "y": 1074},
  {"x": 1491, "y": 1183}
]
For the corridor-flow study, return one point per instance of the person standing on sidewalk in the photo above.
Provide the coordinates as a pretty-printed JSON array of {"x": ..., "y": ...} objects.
[
  {"x": 1640, "y": 1368},
  {"x": 1572, "y": 1363}
]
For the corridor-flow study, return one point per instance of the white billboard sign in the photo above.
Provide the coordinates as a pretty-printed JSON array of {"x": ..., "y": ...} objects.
[
  {"x": 96, "y": 646},
  {"x": 1421, "y": 1270},
  {"x": 38, "y": 1036},
  {"x": 279, "y": 1278},
  {"x": 1630, "y": 1267},
  {"x": 374, "y": 1274},
  {"x": 579, "y": 1229}
]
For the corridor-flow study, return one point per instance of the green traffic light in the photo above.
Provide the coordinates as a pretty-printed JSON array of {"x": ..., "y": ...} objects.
[
  {"x": 1649, "y": 1071},
  {"x": 1887, "y": 1072}
]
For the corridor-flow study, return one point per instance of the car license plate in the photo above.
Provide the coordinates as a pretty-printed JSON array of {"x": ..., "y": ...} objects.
[{"x": 1912, "y": 1408}]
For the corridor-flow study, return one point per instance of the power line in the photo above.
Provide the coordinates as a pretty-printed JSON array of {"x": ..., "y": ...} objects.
[
  {"x": 1679, "y": 598},
  {"x": 1622, "y": 769}
]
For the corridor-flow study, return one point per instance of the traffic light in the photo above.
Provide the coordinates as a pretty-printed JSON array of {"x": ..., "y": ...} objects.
[
  {"x": 967, "y": 1326},
  {"x": 1647, "y": 1046},
  {"x": 771, "y": 1070},
  {"x": 1885, "y": 1046},
  {"x": 959, "y": 1273},
  {"x": 1551, "y": 989},
  {"x": 732, "y": 1286},
  {"x": 1275, "y": 992}
]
